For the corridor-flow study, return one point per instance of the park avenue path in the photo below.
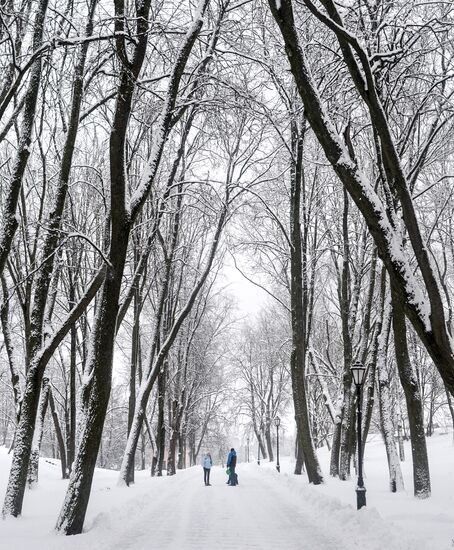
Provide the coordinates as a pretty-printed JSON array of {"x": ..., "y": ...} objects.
[
  {"x": 266, "y": 511},
  {"x": 258, "y": 514}
]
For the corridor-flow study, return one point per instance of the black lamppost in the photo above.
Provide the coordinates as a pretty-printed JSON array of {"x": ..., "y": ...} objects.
[
  {"x": 258, "y": 453},
  {"x": 277, "y": 422},
  {"x": 247, "y": 449},
  {"x": 358, "y": 371}
]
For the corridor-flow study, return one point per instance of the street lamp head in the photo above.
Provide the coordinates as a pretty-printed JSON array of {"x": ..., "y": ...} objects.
[
  {"x": 277, "y": 422},
  {"x": 358, "y": 370}
]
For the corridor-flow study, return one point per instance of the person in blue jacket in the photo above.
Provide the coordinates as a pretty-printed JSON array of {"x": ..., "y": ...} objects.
[
  {"x": 207, "y": 463},
  {"x": 231, "y": 463}
]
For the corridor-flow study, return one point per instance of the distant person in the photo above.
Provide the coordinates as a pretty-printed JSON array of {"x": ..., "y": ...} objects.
[
  {"x": 207, "y": 463},
  {"x": 231, "y": 464}
]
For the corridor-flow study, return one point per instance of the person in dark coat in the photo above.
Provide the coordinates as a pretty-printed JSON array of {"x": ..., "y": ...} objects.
[{"x": 231, "y": 463}]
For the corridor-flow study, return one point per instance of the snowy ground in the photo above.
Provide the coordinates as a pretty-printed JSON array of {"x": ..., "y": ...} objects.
[{"x": 267, "y": 511}]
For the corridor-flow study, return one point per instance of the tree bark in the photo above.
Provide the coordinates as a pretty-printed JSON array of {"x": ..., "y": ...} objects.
[
  {"x": 33, "y": 467},
  {"x": 24, "y": 434},
  {"x": 96, "y": 390},
  {"x": 59, "y": 434},
  {"x": 348, "y": 412},
  {"x": 298, "y": 315},
  {"x": 396, "y": 482},
  {"x": 269, "y": 445},
  {"x": 160, "y": 427},
  {"x": 421, "y": 476}
]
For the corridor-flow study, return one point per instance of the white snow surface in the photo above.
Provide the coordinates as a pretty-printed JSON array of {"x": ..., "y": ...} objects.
[{"x": 266, "y": 511}]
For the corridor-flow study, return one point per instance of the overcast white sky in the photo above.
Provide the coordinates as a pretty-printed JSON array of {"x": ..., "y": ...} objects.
[{"x": 249, "y": 297}]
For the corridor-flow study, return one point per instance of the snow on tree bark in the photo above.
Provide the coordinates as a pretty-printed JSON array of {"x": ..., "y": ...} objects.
[
  {"x": 396, "y": 482},
  {"x": 99, "y": 377},
  {"x": 33, "y": 466},
  {"x": 98, "y": 380},
  {"x": 407, "y": 375},
  {"x": 36, "y": 344},
  {"x": 10, "y": 220},
  {"x": 298, "y": 317}
]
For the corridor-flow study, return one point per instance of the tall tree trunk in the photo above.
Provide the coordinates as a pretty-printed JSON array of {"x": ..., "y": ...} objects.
[
  {"x": 9, "y": 346},
  {"x": 299, "y": 456},
  {"x": 430, "y": 416},
  {"x": 96, "y": 391},
  {"x": 269, "y": 444},
  {"x": 369, "y": 385},
  {"x": 421, "y": 476},
  {"x": 59, "y": 434},
  {"x": 396, "y": 482},
  {"x": 181, "y": 451},
  {"x": 24, "y": 434},
  {"x": 133, "y": 369},
  {"x": 335, "y": 450},
  {"x": 451, "y": 408},
  {"x": 400, "y": 439},
  {"x": 298, "y": 314},
  {"x": 160, "y": 427},
  {"x": 33, "y": 466},
  {"x": 177, "y": 415},
  {"x": 348, "y": 412},
  {"x": 262, "y": 446},
  {"x": 71, "y": 432}
]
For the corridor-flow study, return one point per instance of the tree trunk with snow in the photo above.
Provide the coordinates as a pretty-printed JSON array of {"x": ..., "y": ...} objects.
[
  {"x": 71, "y": 424},
  {"x": 59, "y": 434},
  {"x": 298, "y": 315},
  {"x": 181, "y": 463},
  {"x": 97, "y": 384},
  {"x": 396, "y": 482},
  {"x": 160, "y": 425},
  {"x": 269, "y": 444},
  {"x": 9, "y": 347},
  {"x": 177, "y": 414},
  {"x": 407, "y": 375},
  {"x": 335, "y": 448},
  {"x": 348, "y": 412},
  {"x": 32, "y": 477},
  {"x": 387, "y": 427}
]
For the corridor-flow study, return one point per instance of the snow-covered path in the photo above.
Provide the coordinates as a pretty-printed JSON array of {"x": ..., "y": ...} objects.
[
  {"x": 267, "y": 511},
  {"x": 256, "y": 514}
]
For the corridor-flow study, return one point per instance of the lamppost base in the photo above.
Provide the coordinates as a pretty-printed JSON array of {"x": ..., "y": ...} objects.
[
  {"x": 360, "y": 497},
  {"x": 278, "y": 468}
]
